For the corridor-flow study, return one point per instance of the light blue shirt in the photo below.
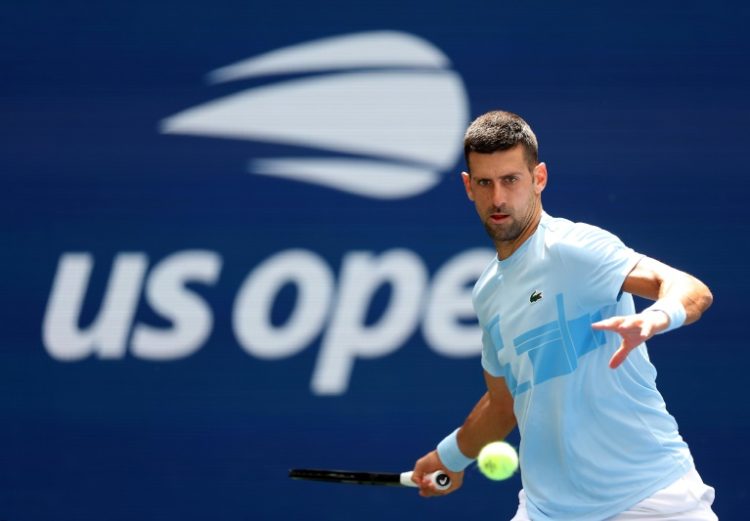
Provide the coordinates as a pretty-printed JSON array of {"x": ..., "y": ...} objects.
[{"x": 594, "y": 441}]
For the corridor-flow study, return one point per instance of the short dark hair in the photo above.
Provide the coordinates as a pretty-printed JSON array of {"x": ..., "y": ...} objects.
[{"x": 500, "y": 130}]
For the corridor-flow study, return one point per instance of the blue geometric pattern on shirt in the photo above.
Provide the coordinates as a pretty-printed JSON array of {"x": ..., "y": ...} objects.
[
  {"x": 493, "y": 331},
  {"x": 552, "y": 348}
]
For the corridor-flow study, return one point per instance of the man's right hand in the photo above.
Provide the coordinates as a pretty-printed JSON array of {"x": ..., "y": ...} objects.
[{"x": 428, "y": 464}]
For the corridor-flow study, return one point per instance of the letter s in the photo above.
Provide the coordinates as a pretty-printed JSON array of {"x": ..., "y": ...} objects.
[{"x": 166, "y": 293}]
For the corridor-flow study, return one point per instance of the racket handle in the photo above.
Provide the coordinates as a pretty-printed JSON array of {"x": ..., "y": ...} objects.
[{"x": 440, "y": 479}]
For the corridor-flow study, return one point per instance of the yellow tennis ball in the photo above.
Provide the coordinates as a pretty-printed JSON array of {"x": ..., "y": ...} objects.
[{"x": 498, "y": 460}]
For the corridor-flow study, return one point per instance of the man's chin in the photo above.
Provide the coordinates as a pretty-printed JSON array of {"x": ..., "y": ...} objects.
[{"x": 500, "y": 233}]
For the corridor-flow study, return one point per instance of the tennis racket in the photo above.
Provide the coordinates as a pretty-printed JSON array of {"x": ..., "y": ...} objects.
[{"x": 440, "y": 479}]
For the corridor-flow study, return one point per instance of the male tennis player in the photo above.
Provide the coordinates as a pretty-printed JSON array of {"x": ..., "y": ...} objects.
[{"x": 564, "y": 356}]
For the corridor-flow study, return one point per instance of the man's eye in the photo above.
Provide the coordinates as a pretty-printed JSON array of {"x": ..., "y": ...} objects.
[{"x": 483, "y": 182}]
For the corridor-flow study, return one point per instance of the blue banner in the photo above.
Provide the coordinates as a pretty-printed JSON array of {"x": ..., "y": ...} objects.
[{"x": 237, "y": 242}]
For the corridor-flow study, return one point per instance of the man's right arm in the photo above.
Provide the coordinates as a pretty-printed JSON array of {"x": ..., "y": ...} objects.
[{"x": 491, "y": 419}]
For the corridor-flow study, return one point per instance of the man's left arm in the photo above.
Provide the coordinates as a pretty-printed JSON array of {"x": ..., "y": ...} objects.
[{"x": 680, "y": 299}]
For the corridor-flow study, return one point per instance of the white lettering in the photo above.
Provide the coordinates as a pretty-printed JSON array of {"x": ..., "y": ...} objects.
[
  {"x": 166, "y": 293},
  {"x": 252, "y": 309},
  {"x": 348, "y": 332},
  {"x": 450, "y": 302},
  {"x": 107, "y": 335},
  {"x": 347, "y": 337}
]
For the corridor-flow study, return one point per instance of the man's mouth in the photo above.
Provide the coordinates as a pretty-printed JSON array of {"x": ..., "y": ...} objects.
[{"x": 499, "y": 217}]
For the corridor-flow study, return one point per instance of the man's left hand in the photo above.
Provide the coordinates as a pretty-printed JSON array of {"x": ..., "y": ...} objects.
[{"x": 634, "y": 330}]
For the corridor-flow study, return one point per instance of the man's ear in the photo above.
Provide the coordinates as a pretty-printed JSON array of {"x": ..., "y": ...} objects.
[
  {"x": 466, "y": 177},
  {"x": 540, "y": 177}
]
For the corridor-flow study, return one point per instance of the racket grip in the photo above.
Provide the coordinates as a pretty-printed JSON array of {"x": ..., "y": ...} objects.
[{"x": 440, "y": 479}]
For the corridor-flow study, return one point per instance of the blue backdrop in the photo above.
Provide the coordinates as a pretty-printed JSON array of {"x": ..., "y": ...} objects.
[{"x": 235, "y": 238}]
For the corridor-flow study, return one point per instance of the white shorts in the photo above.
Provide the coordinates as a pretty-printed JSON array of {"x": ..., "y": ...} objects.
[{"x": 687, "y": 499}]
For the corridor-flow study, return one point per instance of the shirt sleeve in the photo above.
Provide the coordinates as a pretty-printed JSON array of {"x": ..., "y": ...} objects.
[{"x": 596, "y": 264}]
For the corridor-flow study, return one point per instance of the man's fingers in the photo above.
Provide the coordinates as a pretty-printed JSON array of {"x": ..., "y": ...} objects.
[
  {"x": 427, "y": 489},
  {"x": 610, "y": 324},
  {"x": 620, "y": 355},
  {"x": 423, "y": 469},
  {"x": 626, "y": 326},
  {"x": 629, "y": 342},
  {"x": 617, "y": 358},
  {"x": 633, "y": 329}
]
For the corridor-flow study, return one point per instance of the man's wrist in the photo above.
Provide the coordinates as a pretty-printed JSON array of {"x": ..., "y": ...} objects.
[
  {"x": 674, "y": 310},
  {"x": 450, "y": 454}
]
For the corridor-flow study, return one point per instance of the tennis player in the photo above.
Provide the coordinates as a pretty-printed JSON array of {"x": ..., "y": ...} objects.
[{"x": 564, "y": 353}]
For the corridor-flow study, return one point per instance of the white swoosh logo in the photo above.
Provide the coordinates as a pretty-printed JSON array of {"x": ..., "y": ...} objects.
[
  {"x": 407, "y": 121},
  {"x": 358, "y": 176},
  {"x": 351, "y": 51}
]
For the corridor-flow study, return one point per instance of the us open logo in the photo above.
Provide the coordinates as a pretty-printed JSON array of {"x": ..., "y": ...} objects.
[
  {"x": 384, "y": 115},
  {"x": 386, "y": 106}
]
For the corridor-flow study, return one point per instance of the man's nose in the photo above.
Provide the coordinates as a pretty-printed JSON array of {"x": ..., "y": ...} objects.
[{"x": 498, "y": 196}]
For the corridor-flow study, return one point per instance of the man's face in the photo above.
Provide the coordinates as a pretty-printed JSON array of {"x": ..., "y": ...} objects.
[{"x": 505, "y": 191}]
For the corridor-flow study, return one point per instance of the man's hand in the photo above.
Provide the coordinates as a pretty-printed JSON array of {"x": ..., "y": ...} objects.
[
  {"x": 634, "y": 330},
  {"x": 426, "y": 465}
]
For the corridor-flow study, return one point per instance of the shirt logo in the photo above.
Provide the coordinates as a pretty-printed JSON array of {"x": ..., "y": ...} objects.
[
  {"x": 536, "y": 295},
  {"x": 383, "y": 112}
]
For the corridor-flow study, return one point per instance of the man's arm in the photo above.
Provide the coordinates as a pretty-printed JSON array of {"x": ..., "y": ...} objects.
[
  {"x": 656, "y": 281},
  {"x": 491, "y": 419}
]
